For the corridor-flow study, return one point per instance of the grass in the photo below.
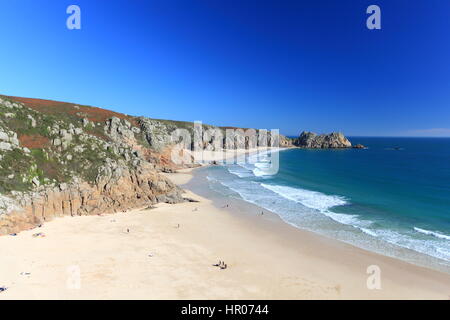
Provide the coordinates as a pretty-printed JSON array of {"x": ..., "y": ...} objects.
[
  {"x": 45, "y": 162},
  {"x": 51, "y": 164}
]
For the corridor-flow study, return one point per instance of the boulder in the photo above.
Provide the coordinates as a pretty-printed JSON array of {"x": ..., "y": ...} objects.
[{"x": 5, "y": 146}]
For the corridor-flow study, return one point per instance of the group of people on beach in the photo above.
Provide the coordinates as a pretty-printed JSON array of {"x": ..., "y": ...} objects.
[{"x": 222, "y": 265}]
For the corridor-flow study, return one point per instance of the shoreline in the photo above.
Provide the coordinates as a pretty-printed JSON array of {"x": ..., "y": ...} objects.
[
  {"x": 327, "y": 248},
  {"x": 170, "y": 250},
  {"x": 378, "y": 245},
  {"x": 393, "y": 251}
]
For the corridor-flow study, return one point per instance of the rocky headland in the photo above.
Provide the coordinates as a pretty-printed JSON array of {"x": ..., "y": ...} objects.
[{"x": 334, "y": 140}]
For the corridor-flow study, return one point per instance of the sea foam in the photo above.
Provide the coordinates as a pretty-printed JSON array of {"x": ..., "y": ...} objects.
[
  {"x": 310, "y": 199},
  {"x": 314, "y": 210},
  {"x": 432, "y": 233}
]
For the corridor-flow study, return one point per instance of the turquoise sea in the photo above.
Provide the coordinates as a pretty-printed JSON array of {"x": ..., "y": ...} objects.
[{"x": 392, "y": 198}]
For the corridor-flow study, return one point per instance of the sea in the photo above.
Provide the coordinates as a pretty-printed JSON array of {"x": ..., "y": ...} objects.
[{"x": 392, "y": 198}]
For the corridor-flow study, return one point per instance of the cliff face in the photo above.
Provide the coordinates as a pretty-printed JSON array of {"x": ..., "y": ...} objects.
[
  {"x": 158, "y": 135},
  {"x": 58, "y": 158},
  {"x": 323, "y": 141},
  {"x": 119, "y": 190}
]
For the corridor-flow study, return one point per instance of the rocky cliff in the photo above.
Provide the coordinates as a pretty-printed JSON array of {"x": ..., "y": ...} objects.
[
  {"x": 323, "y": 141},
  {"x": 118, "y": 189},
  {"x": 59, "y": 158},
  {"x": 62, "y": 159}
]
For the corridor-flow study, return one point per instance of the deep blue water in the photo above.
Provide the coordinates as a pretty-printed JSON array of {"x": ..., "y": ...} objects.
[{"x": 395, "y": 194}]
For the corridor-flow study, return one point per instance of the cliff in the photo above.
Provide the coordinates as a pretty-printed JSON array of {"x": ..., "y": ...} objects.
[
  {"x": 120, "y": 189},
  {"x": 62, "y": 159},
  {"x": 58, "y": 158}
]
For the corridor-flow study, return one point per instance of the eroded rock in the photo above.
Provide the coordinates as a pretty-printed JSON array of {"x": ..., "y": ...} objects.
[{"x": 323, "y": 141}]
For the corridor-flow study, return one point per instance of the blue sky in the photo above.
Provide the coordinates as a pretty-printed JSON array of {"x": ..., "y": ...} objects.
[{"x": 293, "y": 65}]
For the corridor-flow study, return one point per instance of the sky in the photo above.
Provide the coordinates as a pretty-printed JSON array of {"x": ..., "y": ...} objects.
[{"x": 289, "y": 65}]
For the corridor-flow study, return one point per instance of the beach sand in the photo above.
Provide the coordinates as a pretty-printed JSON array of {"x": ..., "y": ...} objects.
[{"x": 169, "y": 251}]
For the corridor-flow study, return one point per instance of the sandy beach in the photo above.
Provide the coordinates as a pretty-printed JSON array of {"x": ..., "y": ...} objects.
[{"x": 168, "y": 252}]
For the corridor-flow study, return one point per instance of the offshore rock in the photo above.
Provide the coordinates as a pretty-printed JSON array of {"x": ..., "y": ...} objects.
[{"x": 323, "y": 141}]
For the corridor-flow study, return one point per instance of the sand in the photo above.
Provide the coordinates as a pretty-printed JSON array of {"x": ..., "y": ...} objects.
[
  {"x": 169, "y": 251},
  {"x": 223, "y": 156}
]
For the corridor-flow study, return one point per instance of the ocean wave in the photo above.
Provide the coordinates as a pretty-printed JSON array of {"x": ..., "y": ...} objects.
[
  {"x": 435, "y": 248},
  {"x": 368, "y": 231},
  {"x": 245, "y": 169},
  {"x": 257, "y": 164},
  {"x": 310, "y": 199},
  {"x": 445, "y": 252},
  {"x": 432, "y": 233},
  {"x": 304, "y": 205},
  {"x": 261, "y": 172},
  {"x": 263, "y": 164},
  {"x": 241, "y": 173},
  {"x": 322, "y": 202}
]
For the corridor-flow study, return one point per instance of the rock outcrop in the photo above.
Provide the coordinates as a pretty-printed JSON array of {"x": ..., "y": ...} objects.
[
  {"x": 157, "y": 132},
  {"x": 323, "y": 141},
  {"x": 8, "y": 140},
  {"x": 82, "y": 161},
  {"x": 61, "y": 159},
  {"x": 117, "y": 189}
]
